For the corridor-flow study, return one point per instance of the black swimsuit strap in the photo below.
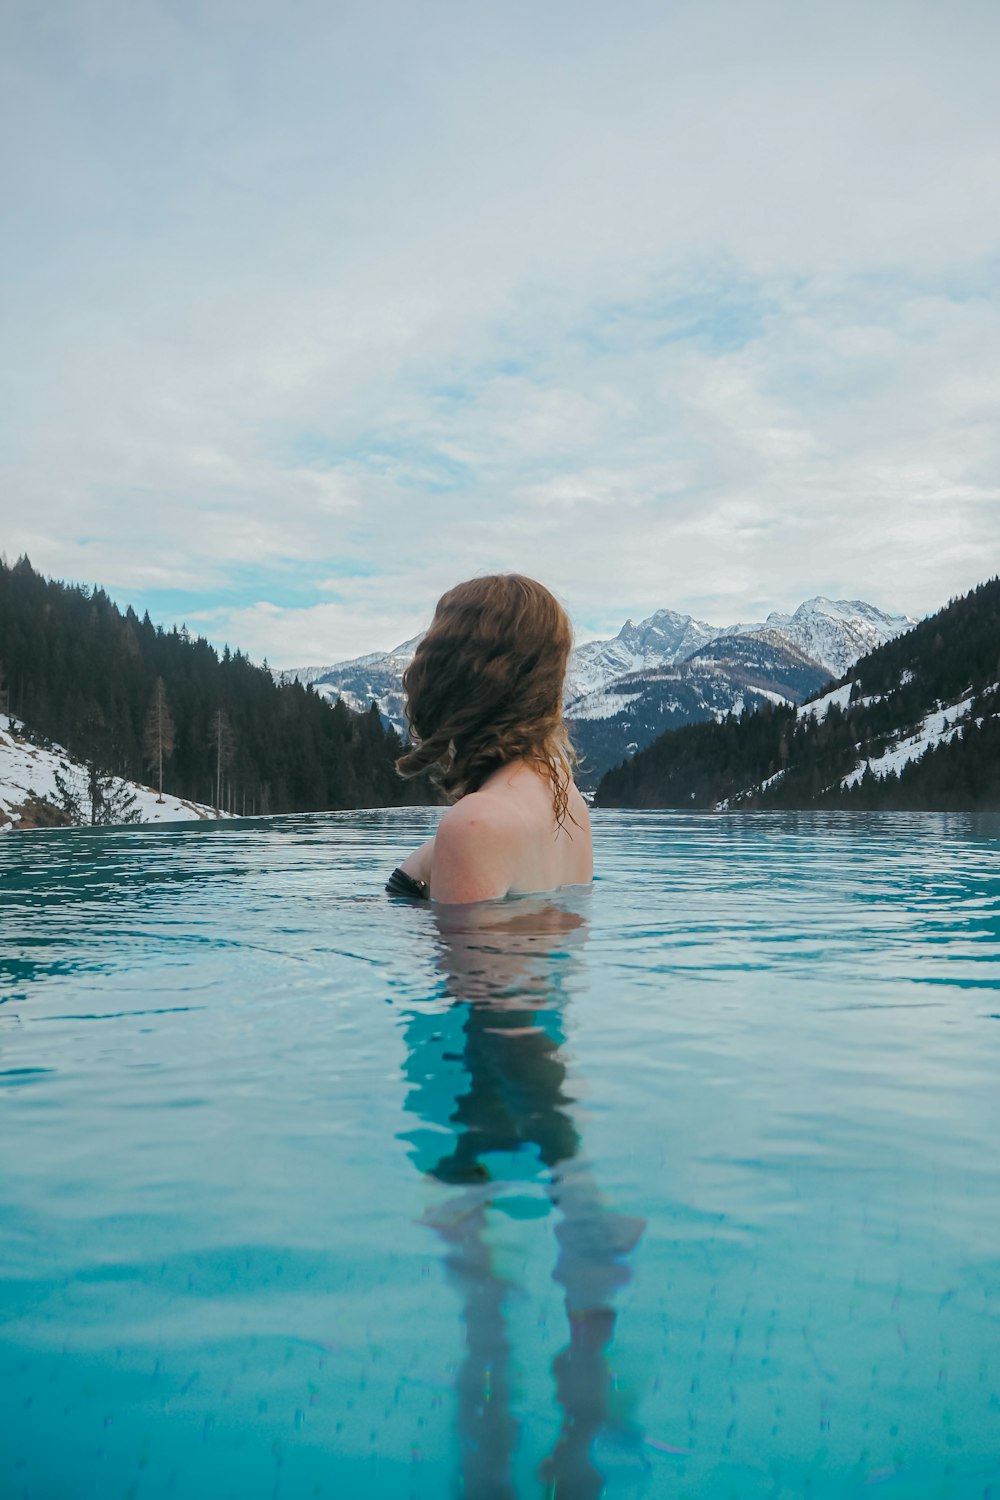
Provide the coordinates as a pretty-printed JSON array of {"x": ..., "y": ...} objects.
[{"x": 401, "y": 884}]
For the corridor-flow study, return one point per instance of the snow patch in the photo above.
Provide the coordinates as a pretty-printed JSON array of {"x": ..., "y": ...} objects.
[
  {"x": 602, "y": 705},
  {"x": 820, "y": 707},
  {"x": 752, "y": 791}
]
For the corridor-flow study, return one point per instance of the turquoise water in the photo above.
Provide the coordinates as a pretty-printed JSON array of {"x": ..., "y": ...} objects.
[{"x": 685, "y": 1184}]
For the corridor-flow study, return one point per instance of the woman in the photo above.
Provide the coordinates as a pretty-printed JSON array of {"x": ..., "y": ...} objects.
[{"x": 484, "y": 703}]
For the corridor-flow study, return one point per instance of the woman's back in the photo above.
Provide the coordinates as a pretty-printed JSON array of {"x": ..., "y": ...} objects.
[{"x": 503, "y": 839}]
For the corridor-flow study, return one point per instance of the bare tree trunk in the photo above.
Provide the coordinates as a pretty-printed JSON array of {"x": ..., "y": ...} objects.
[{"x": 158, "y": 734}]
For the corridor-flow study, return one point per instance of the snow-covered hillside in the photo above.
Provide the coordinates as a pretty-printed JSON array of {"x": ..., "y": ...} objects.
[
  {"x": 938, "y": 727},
  {"x": 29, "y": 794},
  {"x": 942, "y": 724}
]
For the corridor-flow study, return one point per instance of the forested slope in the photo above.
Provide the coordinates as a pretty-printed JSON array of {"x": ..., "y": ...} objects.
[
  {"x": 915, "y": 724},
  {"x": 79, "y": 671}
]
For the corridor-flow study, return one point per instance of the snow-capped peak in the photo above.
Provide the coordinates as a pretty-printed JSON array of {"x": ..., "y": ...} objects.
[
  {"x": 663, "y": 638},
  {"x": 835, "y": 632},
  {"x": 379, "y": 659}
]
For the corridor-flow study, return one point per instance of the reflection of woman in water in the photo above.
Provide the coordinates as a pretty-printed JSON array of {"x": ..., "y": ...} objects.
[
  {"x": 488, "y": 1079},
  {"x": 484, "y": 696}
]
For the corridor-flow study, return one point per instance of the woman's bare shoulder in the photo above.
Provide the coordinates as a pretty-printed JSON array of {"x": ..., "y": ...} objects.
[
  {"x": 482, "y": 810},
  {"x": 474, "y": 851}
]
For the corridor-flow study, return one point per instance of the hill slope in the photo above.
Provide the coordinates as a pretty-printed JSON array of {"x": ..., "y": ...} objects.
[
  {"x": 915, "y": 724},
  {"x": 84, "y": 674},
  {"x": 35, "y": 780}
]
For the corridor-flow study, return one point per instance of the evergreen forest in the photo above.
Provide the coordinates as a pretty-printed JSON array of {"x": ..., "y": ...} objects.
[
  {"x": 778, "y": 756},
  {"x": 132, "y": 699}
]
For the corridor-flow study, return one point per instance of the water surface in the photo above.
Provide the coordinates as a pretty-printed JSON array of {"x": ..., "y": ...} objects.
[{"x": 685, "y": 1184}]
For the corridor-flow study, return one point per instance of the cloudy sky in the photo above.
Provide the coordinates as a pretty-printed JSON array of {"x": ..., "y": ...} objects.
[{"x": 311, "y": 310}]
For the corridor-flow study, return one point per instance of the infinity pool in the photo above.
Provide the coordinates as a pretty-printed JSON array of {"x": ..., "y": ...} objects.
[{"x": 687, "y": 1184}]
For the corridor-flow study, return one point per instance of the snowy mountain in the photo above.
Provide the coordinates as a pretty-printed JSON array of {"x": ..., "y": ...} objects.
[
  {"x": 374, "y": 678},
  {"x": 726, "y": 676},
  {"x": 825, "y": 634},
  {"x": 30, "y": 796},
  {"x": 377, "y": 664},
  {"x": 831, "y": 633},
  {"x": 914, "y": 724},
  {"x": 834, "y": 632},
  {"x": 659, "y": 641}
]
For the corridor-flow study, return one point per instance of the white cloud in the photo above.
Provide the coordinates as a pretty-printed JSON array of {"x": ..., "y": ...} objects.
[{"x": 691, "y": 306}]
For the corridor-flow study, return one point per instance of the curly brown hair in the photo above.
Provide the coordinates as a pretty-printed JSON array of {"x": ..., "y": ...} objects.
[{"x": 485, "y": 687}]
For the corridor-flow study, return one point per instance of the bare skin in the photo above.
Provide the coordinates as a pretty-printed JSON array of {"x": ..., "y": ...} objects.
[{"x": 502, "y": 840}]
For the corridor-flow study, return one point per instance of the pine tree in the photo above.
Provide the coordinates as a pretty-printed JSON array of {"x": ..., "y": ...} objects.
[
  {"x": 158, "y": 733},
  {"x": 68, "y": 799},
  {"x": 111, "y": 800}
]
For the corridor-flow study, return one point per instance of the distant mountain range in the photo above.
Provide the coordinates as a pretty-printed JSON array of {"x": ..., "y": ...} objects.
[
  {"x": 913, "y": 724},
  {"x": 666, "y": 671}
]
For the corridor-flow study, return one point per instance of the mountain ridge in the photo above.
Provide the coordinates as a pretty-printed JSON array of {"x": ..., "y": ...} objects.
[
  {"x": 664, "y": 637},
  {"x": 661, "y": 672}
]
